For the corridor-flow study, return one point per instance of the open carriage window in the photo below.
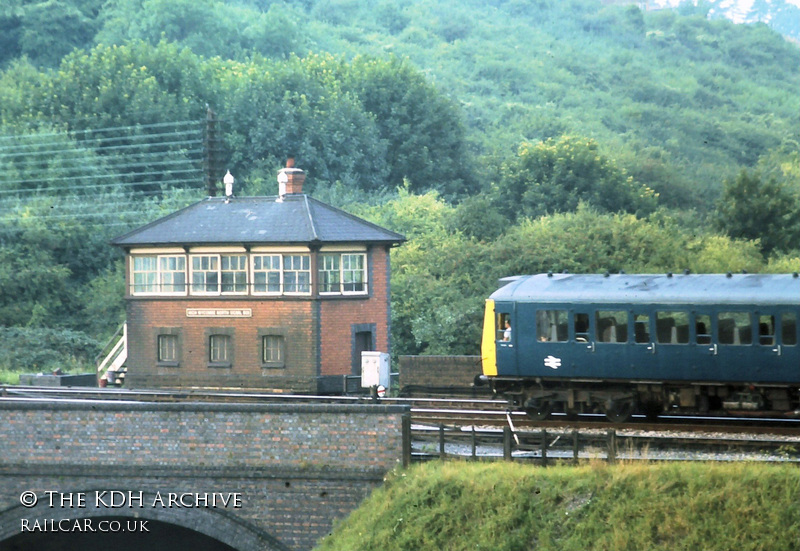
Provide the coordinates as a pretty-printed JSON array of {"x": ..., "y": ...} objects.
[{"x": 503, "y": 326}]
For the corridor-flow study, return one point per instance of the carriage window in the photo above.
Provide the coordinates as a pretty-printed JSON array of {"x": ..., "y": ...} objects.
[
  {"x": 735, "y": 328},
  {"x": 672, "y": 327},
  {"x": 581, "y": 323},
  {"x": 503, "y": 326},
  {"x": 789, "y": 329},
  {"x": 702, "y": 325},
  {"x": 641, "y": 328},
  {"x": 612, "y": 326},
  {"x": 551, "y": 325},
  {"x": 766, "y": 330}
]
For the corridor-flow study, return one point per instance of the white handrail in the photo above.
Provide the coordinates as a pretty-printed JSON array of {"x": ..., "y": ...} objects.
[{"x": 116, "y": 358}]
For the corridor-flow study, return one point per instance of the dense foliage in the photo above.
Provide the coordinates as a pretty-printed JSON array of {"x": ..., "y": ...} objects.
[{"x": 500, "y": 136}]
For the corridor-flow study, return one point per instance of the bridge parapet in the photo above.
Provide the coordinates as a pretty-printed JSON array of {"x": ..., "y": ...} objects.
[{"x": 296, "y": 468}]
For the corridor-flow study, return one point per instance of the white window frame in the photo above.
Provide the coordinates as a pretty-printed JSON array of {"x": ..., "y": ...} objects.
[
  {"x": 254, "y": 270},
  {"x": 239, "y": 270},
  {"x": 220, "y": 348},
  {"x": 335, "y": 269},
  {"x": 284, "y": 271},
  {"x": 279, "y": 347},
  {"x": 210, "y": 270},
  {"x": 342, "y": 260},
  {"x": 164, "y": 272},
  {"x": 158, "y": 284},
  {"x": 150, "y": 286},
  {"x": 167, "y": 348},
  {"x": 363, "y": 270}
]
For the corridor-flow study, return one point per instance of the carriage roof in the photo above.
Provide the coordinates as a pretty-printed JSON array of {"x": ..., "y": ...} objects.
[{"x": 773, "y": 289}]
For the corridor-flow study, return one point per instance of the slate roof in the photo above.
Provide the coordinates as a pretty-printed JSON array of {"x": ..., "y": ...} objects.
[{"x": 253, "y": 220}]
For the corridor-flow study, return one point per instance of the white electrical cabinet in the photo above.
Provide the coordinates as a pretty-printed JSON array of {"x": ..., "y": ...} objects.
[{"x": 375, "y": 369}]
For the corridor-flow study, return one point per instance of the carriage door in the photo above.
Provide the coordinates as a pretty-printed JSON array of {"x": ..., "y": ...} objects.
[
  {"x": 643, "y": 348},
  {"x": 584, "y": 345},
  {"x": 776, "y": 346},
  {"x": 506, "y": 337},
  {"x": 790, "y": 351},
  {"x": 611, "y": 338},
  {"x": 739, "y": 358}
]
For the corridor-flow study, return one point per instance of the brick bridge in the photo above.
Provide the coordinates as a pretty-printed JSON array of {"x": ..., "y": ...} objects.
[{"x": 155, "y": 476}]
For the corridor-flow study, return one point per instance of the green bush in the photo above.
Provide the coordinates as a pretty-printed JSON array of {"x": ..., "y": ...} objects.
[{"x": 25, "y": 349}]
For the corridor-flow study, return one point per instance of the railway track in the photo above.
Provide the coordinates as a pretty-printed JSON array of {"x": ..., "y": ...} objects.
[
  {"x": 426, "y": 410},
  {"x": 474, "y": 427}
]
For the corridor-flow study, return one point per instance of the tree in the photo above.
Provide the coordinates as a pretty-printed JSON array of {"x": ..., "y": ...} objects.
[
  {"x": 46, "y": 30},
  {"x": 558, "y": 174},
  {"x": 753, "y": 209},
  {"x": 439, "y": 277},
  {"x": 295, "y": 108},
  {"x": 207, "y": 27},
  {"x": 423, "y": 129}
]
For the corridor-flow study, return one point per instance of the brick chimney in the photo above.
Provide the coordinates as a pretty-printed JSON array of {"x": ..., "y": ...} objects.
[{"x": 290, "y": 179}]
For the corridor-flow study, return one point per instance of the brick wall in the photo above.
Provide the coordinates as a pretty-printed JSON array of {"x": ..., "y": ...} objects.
[
  {"x": 318, "y": 335},
  {"x": 297, "y": 468},
  {"x": 337, "y": 318},
  {"x": 439, "y": 371},
  {"x": 149, "y": 317}
]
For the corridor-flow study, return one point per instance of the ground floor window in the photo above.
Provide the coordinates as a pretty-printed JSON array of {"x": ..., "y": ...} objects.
[
  {"x": 167, "y": 348},
  {"x": 272, "y": 350},
  {"x": 220, "y": 350}
]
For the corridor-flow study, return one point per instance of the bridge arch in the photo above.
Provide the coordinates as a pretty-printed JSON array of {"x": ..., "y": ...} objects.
[
  {"x": 299, "y": 467},
  {"x": 19, "y": 525}
]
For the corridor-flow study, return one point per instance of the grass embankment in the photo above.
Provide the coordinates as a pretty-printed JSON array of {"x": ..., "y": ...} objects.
[{"x": 637, "y": 507}]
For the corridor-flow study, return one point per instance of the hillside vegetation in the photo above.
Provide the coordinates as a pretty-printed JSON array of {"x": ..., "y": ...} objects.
[
  {"x": 511, "y": 507},
  {"x": 500, "y": 136}
]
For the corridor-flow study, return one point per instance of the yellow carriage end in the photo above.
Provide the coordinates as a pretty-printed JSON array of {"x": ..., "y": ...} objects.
[{"x": 488, "y": 342}]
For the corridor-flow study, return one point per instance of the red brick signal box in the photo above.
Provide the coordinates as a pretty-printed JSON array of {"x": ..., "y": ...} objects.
[{"x": 280, "y": 292}]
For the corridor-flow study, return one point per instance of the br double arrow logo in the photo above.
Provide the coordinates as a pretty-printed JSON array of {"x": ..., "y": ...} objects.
[{"x": 552, "y": 362}]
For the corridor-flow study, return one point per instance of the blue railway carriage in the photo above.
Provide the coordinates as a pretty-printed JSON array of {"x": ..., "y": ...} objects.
[{"x": 653, "y": 343}]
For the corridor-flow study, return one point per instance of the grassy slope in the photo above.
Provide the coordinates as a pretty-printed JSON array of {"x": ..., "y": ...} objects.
[{"x": 639, "y": 507}]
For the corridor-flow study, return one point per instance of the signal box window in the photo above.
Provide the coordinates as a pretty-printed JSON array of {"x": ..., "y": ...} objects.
[
  {"x": 612, "y": 326},
  {"x": 234, "y": 273},
  {"x": 220, "y": 350},
  {"x": 205, "y": 274},
  {"x": 145, "y": 274},
  {"x": 297, "y": 273},
  {"x": 551, "y": 326},
  {"x": 735, "y": 328},
  {"x": 267, "y": 273},
  {"x": 272, "y": 351},
  {"x": 173, "y": 273},
  {"x": 789, "y": 329},
  {"x": 168, "y": 350}
]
